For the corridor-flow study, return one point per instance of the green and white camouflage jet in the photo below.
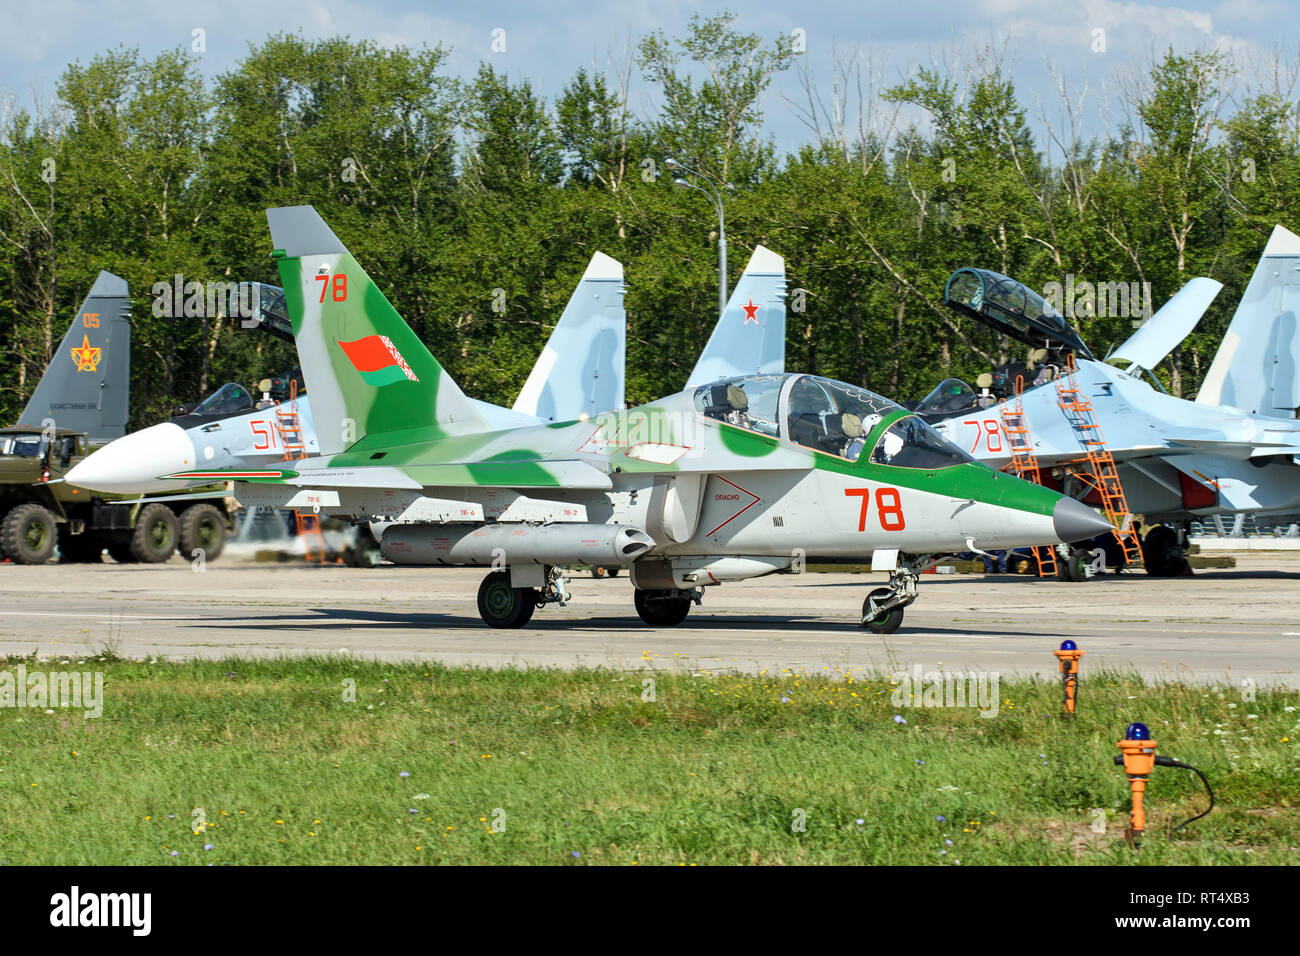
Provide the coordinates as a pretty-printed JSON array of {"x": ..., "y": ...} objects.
[{"x": 726, "y": 480}]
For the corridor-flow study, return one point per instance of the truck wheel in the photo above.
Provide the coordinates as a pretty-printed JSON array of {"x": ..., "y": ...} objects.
[
  {"x": 84, "y": 548},
  {"x": 154, "y": 538},
  {"x": 202, "y": 526},
  {"x": 119, "y": 549},
  {"x": 28, "y": 534}
]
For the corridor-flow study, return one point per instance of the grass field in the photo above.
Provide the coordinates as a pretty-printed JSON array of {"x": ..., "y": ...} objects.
[{"x": 437, "y": 765}]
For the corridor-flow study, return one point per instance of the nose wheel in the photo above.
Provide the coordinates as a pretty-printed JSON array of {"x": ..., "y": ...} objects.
[{"x": 882, "y": 611}]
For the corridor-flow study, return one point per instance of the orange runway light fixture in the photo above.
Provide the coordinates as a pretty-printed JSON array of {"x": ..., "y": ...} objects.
[
  {"x": 1137, "y": 751},
  {"x": 1068, "y": 658}
]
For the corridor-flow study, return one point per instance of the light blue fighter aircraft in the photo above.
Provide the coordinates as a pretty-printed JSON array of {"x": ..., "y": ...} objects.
[{"x": 1236, "y": 448}]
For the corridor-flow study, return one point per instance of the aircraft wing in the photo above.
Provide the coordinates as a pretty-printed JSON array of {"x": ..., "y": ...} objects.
[{"x": 567, "y": 474}]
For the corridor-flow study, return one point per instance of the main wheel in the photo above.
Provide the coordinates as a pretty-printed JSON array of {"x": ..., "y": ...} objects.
[
  {"x": 886, "y": 622},
  {"x": 202, "y": 526},
  {"x": 84, "y": 548},
  {"x": 1161, "y": 553},
  {"x": 28, "y": 534},
  {"x": 501, "y": 605},
  {"x": 1078, "y": 566},
  {"x": 662, "y": 608},
  {"x": 154, "y": 538}
]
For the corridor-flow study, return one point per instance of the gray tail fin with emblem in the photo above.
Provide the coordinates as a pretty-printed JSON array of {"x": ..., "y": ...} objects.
[{"x": 87, "y": 385}]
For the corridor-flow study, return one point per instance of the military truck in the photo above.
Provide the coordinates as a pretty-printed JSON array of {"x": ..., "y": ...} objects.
[{"x": 39, "y": 510}]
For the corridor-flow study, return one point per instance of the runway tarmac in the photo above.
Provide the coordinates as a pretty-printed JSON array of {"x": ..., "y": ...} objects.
[{"x": 1217, "y": 626}]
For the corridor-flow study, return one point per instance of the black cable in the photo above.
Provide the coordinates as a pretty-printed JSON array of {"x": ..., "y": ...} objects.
[{"x": 1171, "y": 762}]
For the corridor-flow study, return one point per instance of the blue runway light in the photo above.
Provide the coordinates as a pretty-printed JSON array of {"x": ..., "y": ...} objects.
[
  {"x": 1137, "y": 732},
  {"x": 1069, "y": 646}
]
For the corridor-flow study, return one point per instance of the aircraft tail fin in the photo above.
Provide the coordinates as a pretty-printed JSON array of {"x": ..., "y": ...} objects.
[
  {"x": 750, "y": 335},
  {"x": 367, "y": 372},
  {"x": 581, "y": 369},
  {"x": 1257, "y": 368},
  {"x": 87, "y": 385}
]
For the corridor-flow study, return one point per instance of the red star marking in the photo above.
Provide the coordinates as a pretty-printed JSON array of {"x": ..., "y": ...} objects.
[{"x": 751, "y": 312}]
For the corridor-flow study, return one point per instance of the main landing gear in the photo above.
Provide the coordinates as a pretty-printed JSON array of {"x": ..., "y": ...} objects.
[
  {"x": 665, "y": 608},
  {"x": 501, "y": 604},
  {"x": 882, "y": 611}
]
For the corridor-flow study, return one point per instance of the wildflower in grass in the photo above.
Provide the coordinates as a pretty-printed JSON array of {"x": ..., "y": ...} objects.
[
  {"x": 860, "y": 821},
  {"x": 207, "y": 846},
  {"x": 940, "y": 818},
  {"x": 176, "y": 852},
  {"x": 403, "y": 774},
  {"x": 920, "y": 763},
  {"x": 576, "y": 854},
  {"x": 898, "y": 719}
]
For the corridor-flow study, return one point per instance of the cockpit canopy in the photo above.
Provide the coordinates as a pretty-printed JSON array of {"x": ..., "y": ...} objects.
[
  {"x": 1011, "y": 308},
  {"x": 226, "y": 400},
  {"x": 826, "y": 416}
]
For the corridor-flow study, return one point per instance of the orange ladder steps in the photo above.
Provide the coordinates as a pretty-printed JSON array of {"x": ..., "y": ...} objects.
[
  {"x": 1102, "y": 474},
  {"x": 289, "y": 426},
  {"x": 1024, "y": 464},
  {"x": 307, "y": 524}
]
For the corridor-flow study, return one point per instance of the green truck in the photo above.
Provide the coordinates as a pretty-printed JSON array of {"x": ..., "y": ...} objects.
[
  {"x": 82, "y": 402},
  {"x": 39, "y": 510}
]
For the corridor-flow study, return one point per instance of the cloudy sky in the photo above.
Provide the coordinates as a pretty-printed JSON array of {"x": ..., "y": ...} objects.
[{"x": 546, "y": 42}]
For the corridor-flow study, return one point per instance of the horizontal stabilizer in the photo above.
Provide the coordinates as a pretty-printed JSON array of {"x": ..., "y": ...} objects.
[{"x": 1161, "y": 334}]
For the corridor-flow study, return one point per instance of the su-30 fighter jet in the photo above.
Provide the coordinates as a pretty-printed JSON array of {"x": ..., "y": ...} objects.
[
  {"x": 1236, "y": 448},
  {"x": 726, "y": 480}
]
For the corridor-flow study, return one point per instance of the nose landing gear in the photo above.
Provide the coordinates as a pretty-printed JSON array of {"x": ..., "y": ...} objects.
[{"x": 882, "y": 611}]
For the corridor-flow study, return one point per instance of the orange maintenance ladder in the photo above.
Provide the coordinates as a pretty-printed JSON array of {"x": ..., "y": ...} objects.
[
  {"x": 1100, "y": 470},
  {"x": 306, "y": 523},
  {"x": 1024, "y": 464}
]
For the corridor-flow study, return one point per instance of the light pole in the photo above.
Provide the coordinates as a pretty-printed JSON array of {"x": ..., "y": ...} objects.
[{"x": 712, "y": 193}]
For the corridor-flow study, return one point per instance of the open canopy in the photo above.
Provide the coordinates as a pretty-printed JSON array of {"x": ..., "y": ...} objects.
[{"x": 1012, "y": 308}]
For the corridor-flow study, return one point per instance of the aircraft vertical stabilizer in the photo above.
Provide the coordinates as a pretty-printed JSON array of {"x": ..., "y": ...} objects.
[
  {"x": 580, "y": 371},
  {"x": 367, "y": 372},
  {"x": 1257, "y": 368},
  {"x": 87, "y": 385},
  {"x": 750, "y": 335}
]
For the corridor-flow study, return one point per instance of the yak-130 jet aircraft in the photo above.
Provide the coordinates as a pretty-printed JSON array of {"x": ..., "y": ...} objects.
[
  {"x": 579, "y": 373},
  {"x": 1236, "y": 448},
  {"x": 727, "y": 480}
]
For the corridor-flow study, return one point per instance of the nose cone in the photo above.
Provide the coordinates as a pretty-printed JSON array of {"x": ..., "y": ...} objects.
[
  {"x": 131, "y": 465},
  {"x": 1075, "y": 522}
]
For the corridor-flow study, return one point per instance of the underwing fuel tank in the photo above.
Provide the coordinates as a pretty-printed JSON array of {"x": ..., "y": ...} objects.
[{"x": 507, "y": 545}]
